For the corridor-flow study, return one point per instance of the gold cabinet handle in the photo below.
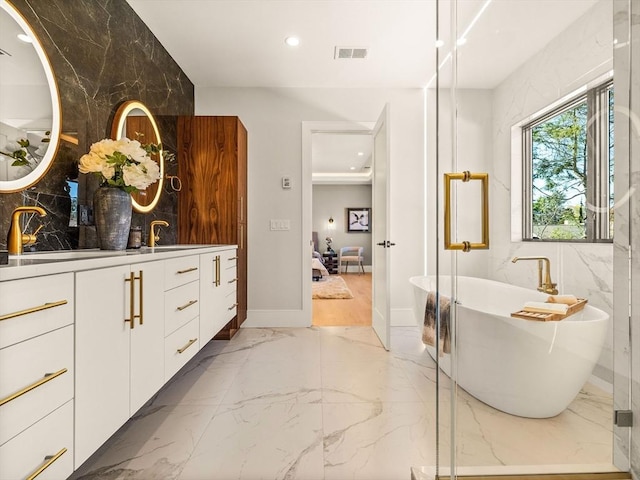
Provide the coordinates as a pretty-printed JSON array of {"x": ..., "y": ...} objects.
[
  {"x": 232, "y": 306},
  {"x": 233, "y": 280},
  {"x": 187, "y": 305},
  {"x": 140, "y": 288},
  {"x": 187, "y": 270},
  {"x": 232, "y": 259},
  {"x": 48, "y": 461},
  {"x": 47, "y": 378},
  {"x": 191, "y": 342},
  {"x": 132, "y": 304},
  {"x": 466, "y": 176},
  {"x": 27, "y": 311},
  {"x": 216, "y": 282}
]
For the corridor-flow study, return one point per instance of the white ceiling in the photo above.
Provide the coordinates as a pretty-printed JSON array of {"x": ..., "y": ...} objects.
[{"x": 240, "y": 43}]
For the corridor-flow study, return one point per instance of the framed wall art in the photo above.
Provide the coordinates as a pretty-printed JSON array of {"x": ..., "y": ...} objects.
[{"x": 358, "y": 220}]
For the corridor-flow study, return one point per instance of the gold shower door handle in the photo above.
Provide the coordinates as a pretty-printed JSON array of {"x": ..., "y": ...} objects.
[{"x": 466, "y": 246}]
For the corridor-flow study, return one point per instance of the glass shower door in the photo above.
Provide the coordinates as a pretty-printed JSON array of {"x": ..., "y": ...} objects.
[{"x": 520, "y": 122}]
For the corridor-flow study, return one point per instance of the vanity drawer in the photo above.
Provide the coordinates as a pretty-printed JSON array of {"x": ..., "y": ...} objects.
[
  {"x": 181, "y": 305},
  {"x": 231, "y": 306},
  {"x": 180, "y": 347},
  {"x": 44, "y": 363},
  {"x": 23, "y": 455},
  {"x": 181, "y": 270},
  {"x": 34, "y": 306}
]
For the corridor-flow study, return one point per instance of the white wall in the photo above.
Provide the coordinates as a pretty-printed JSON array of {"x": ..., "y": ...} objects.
[
  {"x": 333, "y": 201},
  {"x": 273, "y": 119}
]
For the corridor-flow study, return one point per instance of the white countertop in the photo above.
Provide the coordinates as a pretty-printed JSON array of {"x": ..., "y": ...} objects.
[{"x": 37, "y": 264}]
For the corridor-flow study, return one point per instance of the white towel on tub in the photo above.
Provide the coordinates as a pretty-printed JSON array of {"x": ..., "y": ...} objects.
[{"x": 430, "y": 322}]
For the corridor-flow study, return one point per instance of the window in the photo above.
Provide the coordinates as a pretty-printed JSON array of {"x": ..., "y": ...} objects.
[{"x": 568, "y": 169}]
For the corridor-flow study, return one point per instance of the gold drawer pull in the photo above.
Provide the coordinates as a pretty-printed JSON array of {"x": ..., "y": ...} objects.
[
  {"x": 187, "y": 270},
  {"x": 232, "y": 258},
  {"x": 33, "y": 310},
  {"x": 47, "y": 377},
  {"x": 187, "y": 305},
  {"x": 232, "y": 281},
  {"x": 49, "y": 459},
  {"x": 232, "y": 306},
  {"x": 191, "y": 342}
]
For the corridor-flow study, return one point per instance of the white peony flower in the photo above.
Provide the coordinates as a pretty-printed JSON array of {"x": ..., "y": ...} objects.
[
  {"x": 124, "y": 162},
  {"x": 90, "y": 162}
]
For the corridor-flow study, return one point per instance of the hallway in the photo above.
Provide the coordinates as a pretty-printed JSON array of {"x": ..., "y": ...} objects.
[{"x": 328, "y": 403}]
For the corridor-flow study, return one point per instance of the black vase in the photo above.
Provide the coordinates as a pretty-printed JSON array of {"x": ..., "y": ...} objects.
[{"x": 112, "y": 216}]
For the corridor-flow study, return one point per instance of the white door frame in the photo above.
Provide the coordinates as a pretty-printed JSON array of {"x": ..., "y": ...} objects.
[{"x": 308, "y": 129}]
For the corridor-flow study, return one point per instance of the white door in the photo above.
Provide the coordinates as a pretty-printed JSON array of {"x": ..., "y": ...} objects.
[{"x": 381, "y": 241}]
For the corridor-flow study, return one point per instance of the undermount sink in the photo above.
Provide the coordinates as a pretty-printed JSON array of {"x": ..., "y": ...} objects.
[
  {"x": 96, "y": 253},
  {"x": 69, "y": 254}
]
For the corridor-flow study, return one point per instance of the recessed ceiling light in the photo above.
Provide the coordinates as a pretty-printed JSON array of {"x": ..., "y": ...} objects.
[
  {"x": 25, "y": 38},
  {"x": 439, "y": 43},
  {"x": 352, "y": 168},
  {"x": 360, "y": 154},
  {"x": 292, "y": 41}
]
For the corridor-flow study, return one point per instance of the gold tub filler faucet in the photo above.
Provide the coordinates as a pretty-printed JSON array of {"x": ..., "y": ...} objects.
[
  {"x": 546, "y": 286},
  {"x": 153, "y": 237},
  {"x": 16, "y": 239}
]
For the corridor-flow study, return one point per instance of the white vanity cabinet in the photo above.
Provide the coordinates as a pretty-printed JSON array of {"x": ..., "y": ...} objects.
[
  {"x": 119, "y": 348},
  {"x": 182, "y": 312},
  {"x": 217, "y": 291},
  {"x": 86, "y": 342},
  {"x": 36, "y": 377}
]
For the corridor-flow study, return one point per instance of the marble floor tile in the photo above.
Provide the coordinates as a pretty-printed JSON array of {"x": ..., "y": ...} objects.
[
  {"x": 154, "y": 445},
  {"x": 275, "y": 441},
  {"x": 330, "y": 403},
  {"x": 376, "y": 441},
  {"x": 380, "y": 380},
  {"x": 281, "y": 379}
]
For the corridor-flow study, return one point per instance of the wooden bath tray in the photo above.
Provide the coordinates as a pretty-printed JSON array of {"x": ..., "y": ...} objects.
[{"x": 551, "y": 317}]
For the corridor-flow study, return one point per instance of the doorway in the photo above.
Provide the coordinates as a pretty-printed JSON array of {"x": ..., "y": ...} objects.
[{"x": 341, "y": 189}]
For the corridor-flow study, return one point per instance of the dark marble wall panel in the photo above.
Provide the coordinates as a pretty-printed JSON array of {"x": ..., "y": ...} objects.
[{"x": 102, "y": 55}]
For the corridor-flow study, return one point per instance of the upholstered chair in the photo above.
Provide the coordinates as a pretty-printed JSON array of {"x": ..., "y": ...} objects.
[{"x": 350, "y": 255}]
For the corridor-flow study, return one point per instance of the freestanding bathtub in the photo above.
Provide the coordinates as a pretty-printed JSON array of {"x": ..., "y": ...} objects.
[{"x": 523, "y": 367}]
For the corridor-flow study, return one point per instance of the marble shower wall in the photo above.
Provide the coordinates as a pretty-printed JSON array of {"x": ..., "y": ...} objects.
[
  {"x": 582, "y": 53},
  {"x": 102, "y": 55}
]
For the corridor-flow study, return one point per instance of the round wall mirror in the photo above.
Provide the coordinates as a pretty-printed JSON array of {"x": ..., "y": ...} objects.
[
  {"x": 29, "y": 103},
  {"x": 134, "y": 121}
]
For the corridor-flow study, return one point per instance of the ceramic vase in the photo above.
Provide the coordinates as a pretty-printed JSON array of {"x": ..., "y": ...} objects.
[{"x": 112, "y": 217}]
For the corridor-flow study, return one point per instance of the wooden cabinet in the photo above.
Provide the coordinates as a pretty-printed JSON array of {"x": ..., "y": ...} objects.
[
  {"x": 119, "y": 348},
  {"x": 212, "y": 205},
  {"x": 36, "y": 377}
]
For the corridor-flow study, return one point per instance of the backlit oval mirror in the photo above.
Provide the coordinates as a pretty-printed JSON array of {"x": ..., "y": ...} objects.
[
  {"x": 134, "y": 121},
  {"x": 29, "y": 103}
]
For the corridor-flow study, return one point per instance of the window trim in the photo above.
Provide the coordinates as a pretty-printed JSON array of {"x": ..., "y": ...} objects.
[{"x": 597, "y": 192}]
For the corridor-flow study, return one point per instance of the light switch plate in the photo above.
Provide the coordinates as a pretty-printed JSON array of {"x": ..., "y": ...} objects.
[{"x": 280, "y": 225}]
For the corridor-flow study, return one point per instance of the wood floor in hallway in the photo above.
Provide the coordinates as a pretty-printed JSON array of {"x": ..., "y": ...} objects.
[{"x": 355, "y": 311}]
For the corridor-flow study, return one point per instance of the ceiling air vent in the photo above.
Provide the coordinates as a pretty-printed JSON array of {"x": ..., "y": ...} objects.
[{"x": 350, "y": 52}]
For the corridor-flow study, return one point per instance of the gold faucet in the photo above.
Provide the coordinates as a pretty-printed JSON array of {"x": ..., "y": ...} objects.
[
  {"x": 547, "y": 286},
  {"x": 16, "y": 239},
  {"x": 153, "y": 237}
]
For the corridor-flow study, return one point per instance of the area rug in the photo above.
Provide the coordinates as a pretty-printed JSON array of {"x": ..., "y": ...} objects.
[{"x": 331, "y": 287}]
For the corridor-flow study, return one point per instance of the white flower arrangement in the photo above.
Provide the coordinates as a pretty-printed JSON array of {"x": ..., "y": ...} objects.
[{"x": 124, "y": 163}]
